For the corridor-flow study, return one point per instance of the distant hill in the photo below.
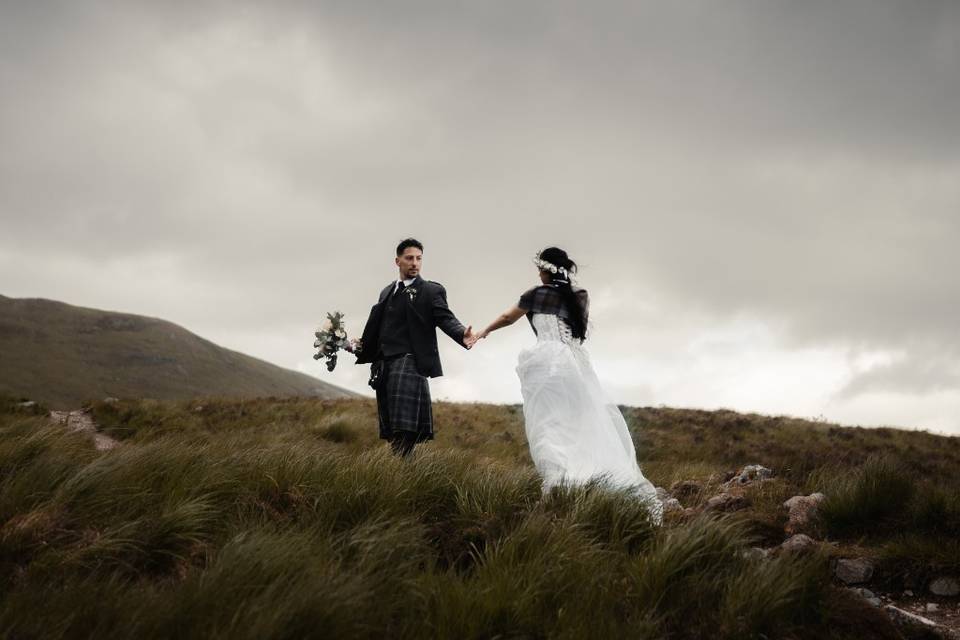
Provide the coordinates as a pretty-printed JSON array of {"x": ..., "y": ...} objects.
[{"x": 63, "y": 355}]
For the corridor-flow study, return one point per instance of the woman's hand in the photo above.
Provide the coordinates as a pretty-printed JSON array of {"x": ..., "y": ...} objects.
[{"x": 469, "y": 338}]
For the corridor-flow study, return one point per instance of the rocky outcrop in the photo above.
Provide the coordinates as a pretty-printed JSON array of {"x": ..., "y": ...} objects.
[
  {"x": 944, "y": 586},
  {"x": 799, "y": 543},
  {"x": 726, "y": 502},
  {"x": 802, "y": 512},
  {"x": 82, "y": 422},
  {"x": 854, "y": 570},
  {"x": 750, "y": 473}
]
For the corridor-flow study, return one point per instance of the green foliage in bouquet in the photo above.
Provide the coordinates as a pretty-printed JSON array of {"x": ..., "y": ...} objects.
[{"x": 331, "y": 337}]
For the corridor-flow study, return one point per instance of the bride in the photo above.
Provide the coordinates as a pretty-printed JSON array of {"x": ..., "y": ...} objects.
[{"x": 575, "y": 433}]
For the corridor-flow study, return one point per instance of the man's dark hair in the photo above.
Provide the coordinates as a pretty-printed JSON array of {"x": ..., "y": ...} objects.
[{"x": 405, "y": 244}]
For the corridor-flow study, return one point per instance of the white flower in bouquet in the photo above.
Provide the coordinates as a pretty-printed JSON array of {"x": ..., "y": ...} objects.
[{"x": 331, "y": 337}]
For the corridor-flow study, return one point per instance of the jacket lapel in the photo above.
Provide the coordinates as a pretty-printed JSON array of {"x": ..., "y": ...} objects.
[
  {"x": 386, "y": 293},
  {"x": 411, "y": 306}
]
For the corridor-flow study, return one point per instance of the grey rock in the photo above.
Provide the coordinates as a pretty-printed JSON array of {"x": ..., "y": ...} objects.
[
  {"x": 726, "y": 502},
  {"x": 944, "y": 586},
  {"x": 799, "y": 543},
  {"x": 854, "y": 570},
  {"x": 82, "y": 422},
  {"x": 672, "y": 504},
  {"x": 803, "y": 511},
  {"x": 111, "y": 400},
  {"x": 908, "y": 593},
  {"x": 29, "y": 404},
  {"x": 932, "y": 607},
  {"x": 751, "y": 473}
]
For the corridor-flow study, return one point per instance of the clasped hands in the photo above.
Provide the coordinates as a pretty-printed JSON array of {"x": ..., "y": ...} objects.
[{"x": 470, "y": 337}]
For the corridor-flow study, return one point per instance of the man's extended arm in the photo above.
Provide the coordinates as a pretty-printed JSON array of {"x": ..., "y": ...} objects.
[{"x": 448, "y": 323}]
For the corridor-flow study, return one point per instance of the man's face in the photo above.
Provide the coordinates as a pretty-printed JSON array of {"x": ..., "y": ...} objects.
[{"x": 409, "y": 262}]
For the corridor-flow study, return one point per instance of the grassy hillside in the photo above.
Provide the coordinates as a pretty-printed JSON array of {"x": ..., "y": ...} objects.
[
  {"x": 288, "y": 518},
  {"x": 64, "y": 355}
]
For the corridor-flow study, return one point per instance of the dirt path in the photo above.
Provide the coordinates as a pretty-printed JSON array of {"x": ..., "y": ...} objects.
[{"x": 80, "y": 420}]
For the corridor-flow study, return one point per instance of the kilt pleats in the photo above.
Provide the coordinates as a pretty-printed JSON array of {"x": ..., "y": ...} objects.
[{"x": 403, "y": 400}]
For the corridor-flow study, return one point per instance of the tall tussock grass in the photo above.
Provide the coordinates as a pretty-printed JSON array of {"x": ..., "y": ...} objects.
[
  {"x": 912, "y": 521},
  {"x": 884, "y": 497},
  {"x": 703, "y": 566},
  {"x": 874, "y": 495},
  {"x": 193, "y": 529}
]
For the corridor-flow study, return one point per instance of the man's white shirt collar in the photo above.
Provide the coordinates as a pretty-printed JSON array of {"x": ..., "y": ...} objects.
[{"x": 407, "y": 282}]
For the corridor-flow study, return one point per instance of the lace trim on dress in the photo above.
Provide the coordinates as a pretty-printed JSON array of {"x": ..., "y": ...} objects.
[{"x": 548, "y": 326}]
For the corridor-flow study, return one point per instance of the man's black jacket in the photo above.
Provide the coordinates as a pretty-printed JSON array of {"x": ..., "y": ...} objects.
[{"x": 426, "y": 309}]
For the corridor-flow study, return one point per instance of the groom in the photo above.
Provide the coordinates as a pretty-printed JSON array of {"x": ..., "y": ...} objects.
[{"x": 400, "y": 342}]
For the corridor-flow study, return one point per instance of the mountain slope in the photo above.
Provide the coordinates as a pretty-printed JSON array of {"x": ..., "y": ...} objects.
[{"x": 63, "y": 355}]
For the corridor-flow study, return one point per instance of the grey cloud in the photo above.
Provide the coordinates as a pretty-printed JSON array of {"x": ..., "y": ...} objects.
[
  {"x": 920, "y": 373},
  {"x": 793, "y": 161}
]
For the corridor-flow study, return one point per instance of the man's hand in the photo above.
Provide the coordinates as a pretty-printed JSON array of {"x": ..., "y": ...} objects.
[
  {"x": 352, "y": 346},
  {"x": 469, "y": 338}
]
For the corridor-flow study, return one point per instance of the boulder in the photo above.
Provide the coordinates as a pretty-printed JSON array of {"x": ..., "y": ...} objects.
[
  {"x": 854, "y": 570},
  {"x": 751, "y": 473},
  {"x": 799, "y": 543},
  {"x": 944, "y": 586},
  {"x": 726, "y": 502},
  {"x": 803, "y": 511}
]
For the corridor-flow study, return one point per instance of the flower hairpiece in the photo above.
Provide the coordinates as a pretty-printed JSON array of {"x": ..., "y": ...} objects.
[
  {"x": 549, "y": 266},
  {"x": 544, "y": 265}
]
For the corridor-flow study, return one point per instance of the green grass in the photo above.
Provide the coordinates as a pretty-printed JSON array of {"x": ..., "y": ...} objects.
[
  {"x": 63, "y": 355},
  {"x": 873, "y": 497},
  {"x": 221, "y": 518}
]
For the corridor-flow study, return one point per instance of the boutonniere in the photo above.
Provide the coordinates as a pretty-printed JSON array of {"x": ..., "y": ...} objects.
[{"x": 412, "y": 292}]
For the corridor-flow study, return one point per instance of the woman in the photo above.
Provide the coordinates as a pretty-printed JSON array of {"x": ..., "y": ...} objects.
[{"x": 575, "y": 433}]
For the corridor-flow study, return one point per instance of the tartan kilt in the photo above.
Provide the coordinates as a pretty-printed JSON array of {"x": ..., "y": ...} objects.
[{"x": 403, "y": 400}]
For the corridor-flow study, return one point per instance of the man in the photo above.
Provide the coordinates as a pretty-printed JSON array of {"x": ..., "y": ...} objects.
[{"x": 400, "y": 343}]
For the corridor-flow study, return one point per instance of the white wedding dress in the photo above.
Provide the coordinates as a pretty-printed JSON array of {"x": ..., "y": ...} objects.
[{"x": 574, "y": 431}]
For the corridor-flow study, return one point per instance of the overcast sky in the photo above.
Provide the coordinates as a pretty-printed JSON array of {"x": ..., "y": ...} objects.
[{"x": 764, "y": 196}]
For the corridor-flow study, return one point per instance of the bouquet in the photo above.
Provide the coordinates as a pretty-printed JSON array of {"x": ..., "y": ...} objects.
[{"x": 330, "y": 339}]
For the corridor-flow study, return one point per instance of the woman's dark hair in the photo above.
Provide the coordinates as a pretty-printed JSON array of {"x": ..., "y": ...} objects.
[
  {"x": 405, "y": 244},
  {"x": 574, "y": 303}
]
